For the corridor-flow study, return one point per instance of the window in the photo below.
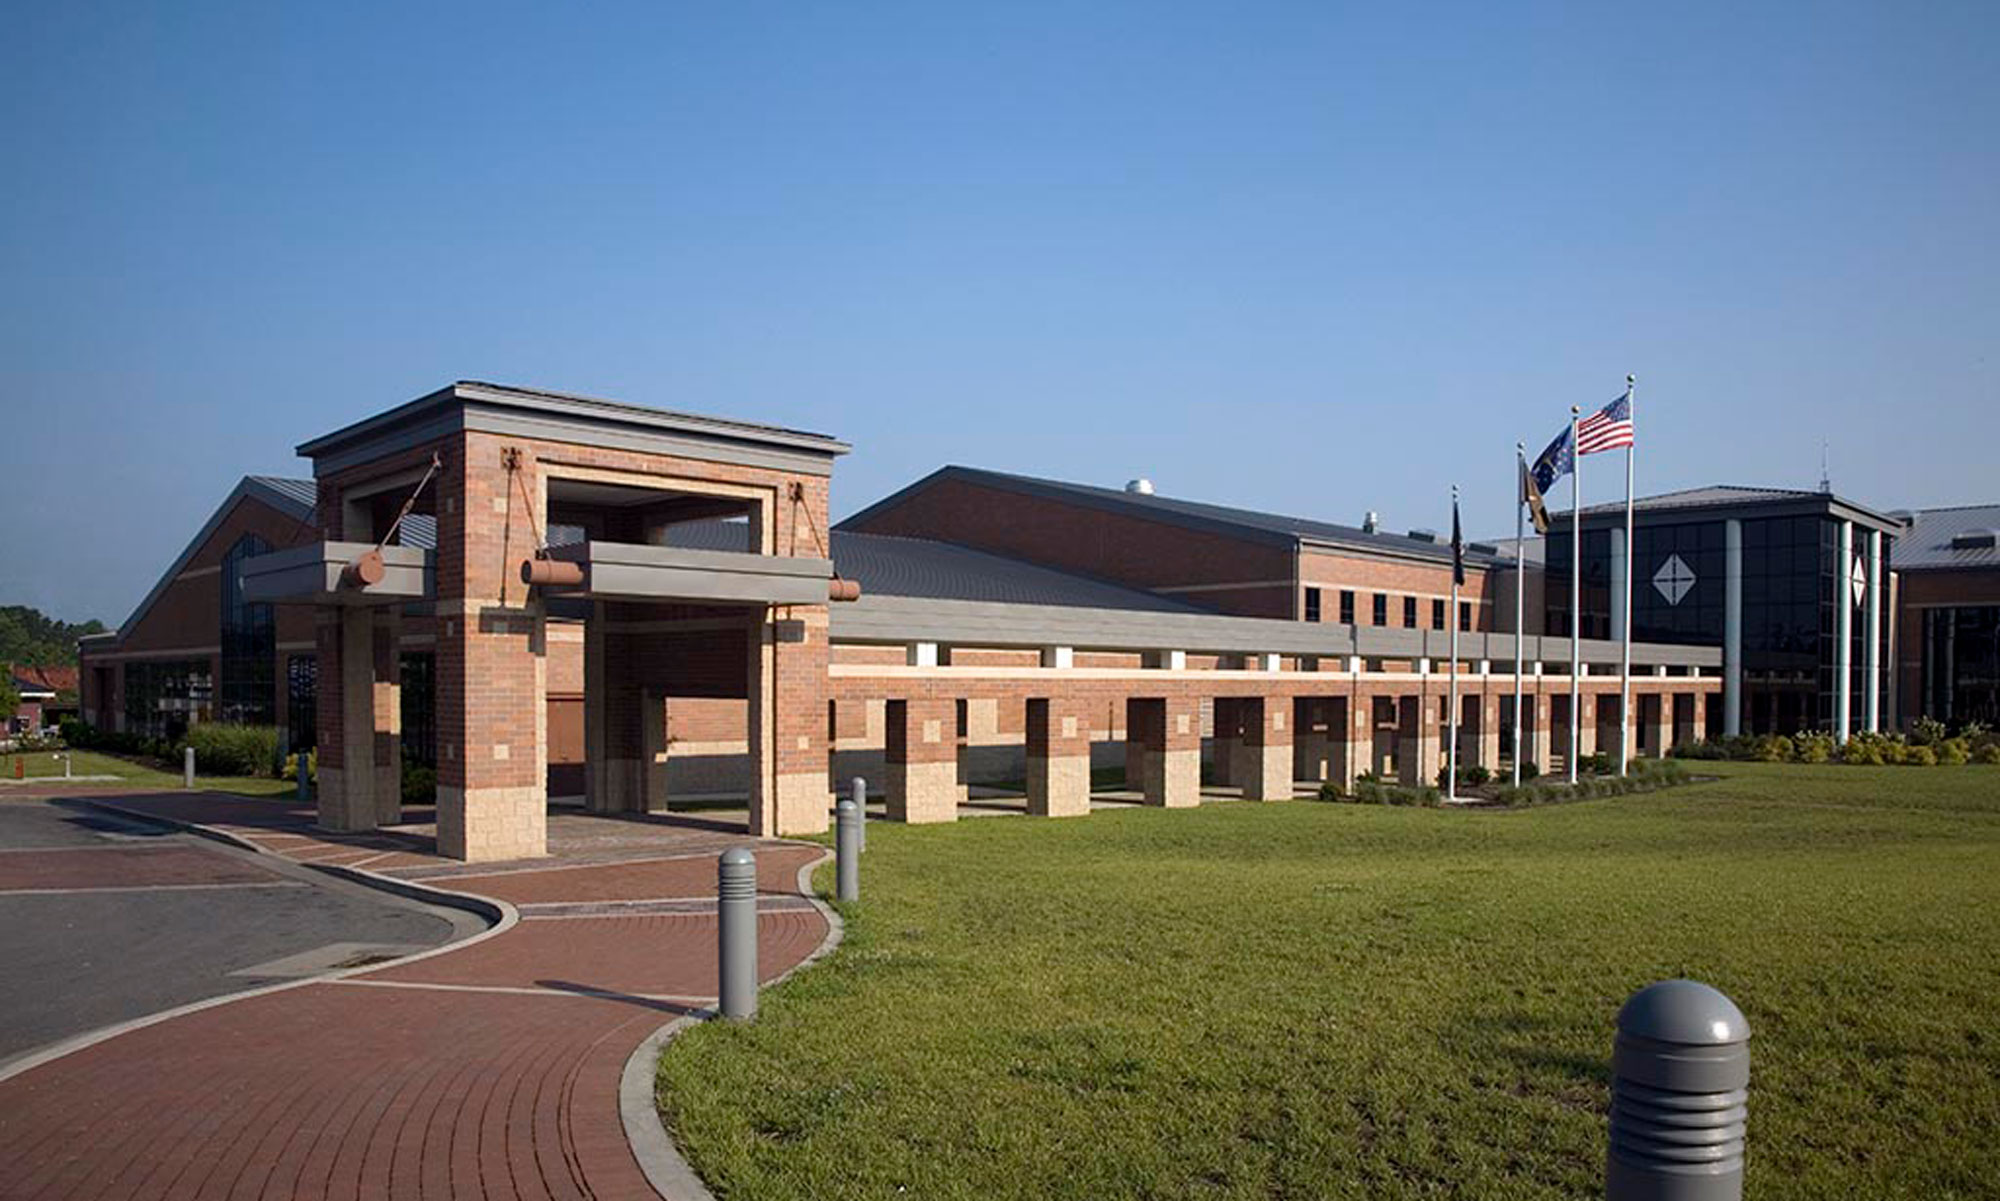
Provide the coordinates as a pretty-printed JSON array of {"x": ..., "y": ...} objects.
[
  {"x": 417, "y": 672},
  {"x": 1437, "y": 615},
  {"x": 1409, "y": 612},
  {"x": 1465, "y": 615},
  {"x": 1312, "y": 604},
  {"x": 164, "y": 697},
  {"x": 1381, "y": 609},
  {"x": 302, "y": 701},
  {"x": 1346, "y": 607},
  {"x": 249, "y": 645}
]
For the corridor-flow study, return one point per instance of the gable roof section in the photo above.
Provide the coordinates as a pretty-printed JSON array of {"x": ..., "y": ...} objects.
[
  {"x": 1272, "y": 529},
  {"x": 284, "y": 495},
  {"x": 1928, "y": 544},
  {"x": 37, "y": 682}
]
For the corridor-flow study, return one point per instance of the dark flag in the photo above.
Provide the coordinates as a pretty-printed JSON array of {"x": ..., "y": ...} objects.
[
  {"x": 1557, "y": 461},
  {"x": 1531, "y": 496},
  {"x": 1457, "y": 545}
]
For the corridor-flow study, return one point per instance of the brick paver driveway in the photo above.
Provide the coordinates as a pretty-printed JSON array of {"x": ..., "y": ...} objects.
[{"x": 487, "y": 1069}]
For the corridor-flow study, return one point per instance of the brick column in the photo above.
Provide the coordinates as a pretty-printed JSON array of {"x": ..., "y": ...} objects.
[
  {"x": 1169, "y": 732},
  {"x": 492, "y": 732},
  {"x": 613, "y": 705},
  {"x": 386, "y": 696},
  {"x": 1267, "y": 748},
  {"x": 788, "y": 744},
  {"x": 922, "y": 760},
  {"x": 346, "y": 787},
  {"x": 653, "y": 747},
  {"x": 1538, "y": 730},
  {"x": 1058, "y": 758},
  {"x": 1663, "y": 722},
  {"x": 1488, "y": 707}
]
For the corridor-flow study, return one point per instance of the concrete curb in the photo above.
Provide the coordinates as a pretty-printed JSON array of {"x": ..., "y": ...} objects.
[
  {"x": 503, "y": 915},
  {"x": 666, "y": 1169}
]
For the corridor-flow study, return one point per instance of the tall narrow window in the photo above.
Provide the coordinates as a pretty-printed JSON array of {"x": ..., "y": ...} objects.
[
  {"x": 1312, "y": 604},
  {"x": 1381, "y": 614},
  {"x": 249, "y": 684},
  {"x": 1409, "y": 612},
  {"x": 1465, "y": 615},
  {"x": 1346, "y": 606},
  {"x": 1437, "y": 615}
]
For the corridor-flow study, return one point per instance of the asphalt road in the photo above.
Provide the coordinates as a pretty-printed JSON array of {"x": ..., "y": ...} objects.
[{"x": 104, "y": 919}]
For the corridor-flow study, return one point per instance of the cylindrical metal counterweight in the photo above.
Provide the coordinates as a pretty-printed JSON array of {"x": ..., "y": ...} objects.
[
  {"x": 1680, "y": 1081},
  {"x": 736, "y": 932}
]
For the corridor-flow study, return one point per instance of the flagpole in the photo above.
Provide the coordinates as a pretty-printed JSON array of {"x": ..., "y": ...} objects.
[
  {"x": 1520, "y": 586},
  {"x": 1575, "y": 594},
  {"x": 1625, "y": 666},
  {"x": 1451, "y": 748}
]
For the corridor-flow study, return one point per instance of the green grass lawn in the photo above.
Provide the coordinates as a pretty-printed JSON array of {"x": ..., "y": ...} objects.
[
  {"x": 1315, "y": 1000},
  {"x": 45, "y": 765}
]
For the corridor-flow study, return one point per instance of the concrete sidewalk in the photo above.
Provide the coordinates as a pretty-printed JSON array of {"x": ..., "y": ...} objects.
[{"x": 489, "y": 1068}]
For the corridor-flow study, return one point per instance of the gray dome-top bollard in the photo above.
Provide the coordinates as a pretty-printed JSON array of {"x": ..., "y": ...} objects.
[
  {"x": 1680, "y": 1096},
  {"x": 736, "y": 933}
]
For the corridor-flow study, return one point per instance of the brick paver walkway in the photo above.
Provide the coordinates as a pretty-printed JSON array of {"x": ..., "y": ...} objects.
[{"x": 485, "y": 1070}]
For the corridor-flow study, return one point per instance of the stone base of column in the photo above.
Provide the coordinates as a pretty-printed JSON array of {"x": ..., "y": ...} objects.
[
  {"x": 804, "y": 802},
  {"x": 1059, "y": 786},
  {"x": 1267, "y": 774},
  {"x": 388, "y": 800},
  {"x": 1172, "y": 779},
  {"x": 339, "y": 808},
  {"x": 484, "y": 825},
  {"x": 923, "y": 792}
]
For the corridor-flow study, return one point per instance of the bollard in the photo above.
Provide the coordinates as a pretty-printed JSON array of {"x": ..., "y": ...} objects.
[
  {"x": 847, "y": 851},
  {"x": 187, "y": 765},
  {"x": 861, "y": 811},
  {"x": 1680, "y": 1096},
  {"x": 736, "y": 930}
]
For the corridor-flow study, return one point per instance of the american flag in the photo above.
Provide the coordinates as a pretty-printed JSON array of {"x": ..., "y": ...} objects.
[{"x": 1607, "y": 429}]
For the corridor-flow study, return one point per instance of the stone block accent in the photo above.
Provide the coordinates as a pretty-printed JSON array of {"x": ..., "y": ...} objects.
[{"x": 489, "y": 824}]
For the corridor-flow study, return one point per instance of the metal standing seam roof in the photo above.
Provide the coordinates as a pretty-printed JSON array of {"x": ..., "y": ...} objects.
[
  {"x": 1188, "y": 514},
  {"x": 1927, "y": 545},
  {"x": 1722, "y": 496},
  {"x": 885, "y": 565}
]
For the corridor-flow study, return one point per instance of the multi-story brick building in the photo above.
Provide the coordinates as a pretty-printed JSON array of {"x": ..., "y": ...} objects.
[{"x": 543, "y": 595}]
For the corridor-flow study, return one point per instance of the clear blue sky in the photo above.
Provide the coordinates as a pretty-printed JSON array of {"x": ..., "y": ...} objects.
[{"x": 1317, "y": 258}]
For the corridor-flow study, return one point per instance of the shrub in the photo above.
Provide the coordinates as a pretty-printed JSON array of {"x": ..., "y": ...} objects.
[
  {"x": 1919, "y": 756},
  {"x": 1864, "y": 750},
  {"x": 224, "y": 750},
  {"x": 1812, "y": 747},
  {"x": 1474, "y": 774},
  {"x": 1988, "y": 752},
  {"x": 1954, "y": 751},
  {"x": 419, "y": 785},
  {"x": 1926, "y": 731},
  {"x": 290, "y": 771},
  {"x": 1597, "y": 764},
  {"x": 1700, "y": 750},
  {"x": 1529, "y": 769},
  {"x": 1771, "y": 748}
]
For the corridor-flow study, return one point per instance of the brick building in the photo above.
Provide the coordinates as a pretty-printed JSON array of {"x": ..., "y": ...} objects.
[
  {"x": 1948, "y": 615},
  {"x": 546, "y": 595}
]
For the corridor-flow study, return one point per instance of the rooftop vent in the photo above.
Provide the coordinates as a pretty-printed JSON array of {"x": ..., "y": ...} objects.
[
  {"x": 1482, "y": 548},
  {"x": 1139, "y": 487},
  {"x": 1976, "y": 540},
  {"x": 1372, "y": 523},
  {"x": 1424, "y": 535}
]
